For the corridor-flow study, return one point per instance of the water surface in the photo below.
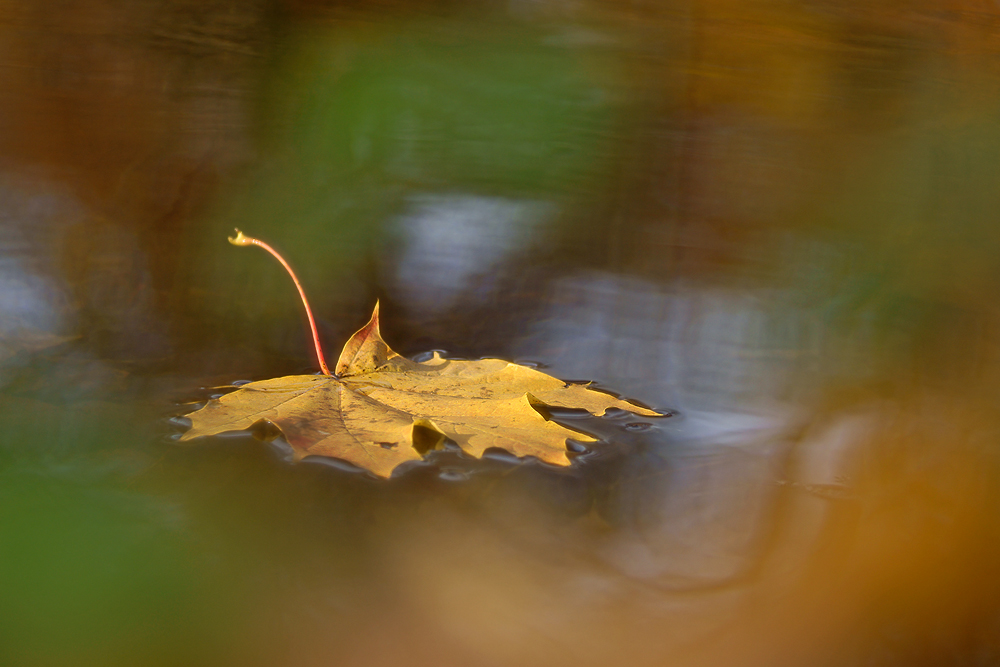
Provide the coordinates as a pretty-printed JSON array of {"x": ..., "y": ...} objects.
[{"x": 775, "y": 222}]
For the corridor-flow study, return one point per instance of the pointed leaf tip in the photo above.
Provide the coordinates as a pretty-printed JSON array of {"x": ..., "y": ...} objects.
[{"x": 365, "y": 351}]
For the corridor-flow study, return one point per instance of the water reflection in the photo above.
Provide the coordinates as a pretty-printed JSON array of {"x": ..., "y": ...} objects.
[
  {"x": 36, "y": 310},
  {"x": 776, "y": 220},
  {"x": 450, "y": 244}
]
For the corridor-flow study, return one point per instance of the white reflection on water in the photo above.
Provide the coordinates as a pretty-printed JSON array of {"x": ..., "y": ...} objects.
[
  {"x": 452, "y": 243},
  {"x": 698, "y": 505},
  {"x": 35, "y": 310},
  {"x": 716, "y": 349}
]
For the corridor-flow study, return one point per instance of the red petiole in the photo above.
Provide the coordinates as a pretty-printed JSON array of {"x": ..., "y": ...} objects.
[{"x": 243, "y": 240}]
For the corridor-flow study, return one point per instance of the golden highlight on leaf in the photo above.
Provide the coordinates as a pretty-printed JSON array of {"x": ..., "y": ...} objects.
[
  {"x": 365, "y": 351},
  {"x": 382, "y": 410}
]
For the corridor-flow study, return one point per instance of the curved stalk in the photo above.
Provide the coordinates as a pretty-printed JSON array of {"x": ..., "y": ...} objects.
[{"x": 242, "y": 239}]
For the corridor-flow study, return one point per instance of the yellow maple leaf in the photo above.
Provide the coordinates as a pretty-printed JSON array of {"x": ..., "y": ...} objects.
[{"x": 381, "y": 410}]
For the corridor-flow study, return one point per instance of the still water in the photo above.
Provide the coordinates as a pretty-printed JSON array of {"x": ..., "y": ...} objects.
[{"x": 775, "y": 222}]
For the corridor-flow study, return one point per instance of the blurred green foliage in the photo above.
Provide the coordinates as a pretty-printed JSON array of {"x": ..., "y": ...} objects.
[
  {"x": 355, "y": 119},
  {"x": 91, "y": 575},
  {"x": 95, "y": 570},
  {"x": 914, "y": 226}
]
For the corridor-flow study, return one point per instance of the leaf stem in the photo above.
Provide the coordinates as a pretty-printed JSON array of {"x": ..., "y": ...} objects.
[{"x": 242, "y": 239}]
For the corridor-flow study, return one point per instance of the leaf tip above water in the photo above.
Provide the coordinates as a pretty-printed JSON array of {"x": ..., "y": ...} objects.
[{"x": 365, "y": 351}]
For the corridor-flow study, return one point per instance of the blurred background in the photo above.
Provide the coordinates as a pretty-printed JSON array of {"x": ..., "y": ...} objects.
[{"x": 774, "y": 221}]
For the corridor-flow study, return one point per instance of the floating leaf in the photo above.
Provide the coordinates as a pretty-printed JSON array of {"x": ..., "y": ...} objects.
[{"x": 381, "y": 410}]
